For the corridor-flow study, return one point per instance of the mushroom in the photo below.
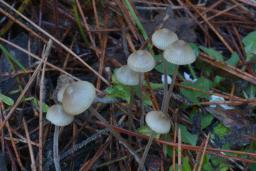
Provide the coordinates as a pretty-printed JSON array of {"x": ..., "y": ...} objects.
[
  {"x": 158, "y": 122},
  {"x": 78, "y": 96},
  {"x": 141, "y": 61},
  {"x": 130, "y": 78},
  {"x": 58, "y": 117},
  {"x": 62, "y": 83},
  {"x": 127, "y": 76},
  {"x": 178, "y": 53},
  {"x": 162, "y": 38}
]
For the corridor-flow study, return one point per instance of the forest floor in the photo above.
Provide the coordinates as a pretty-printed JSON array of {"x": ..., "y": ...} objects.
[{"x": 212, "y": 103}]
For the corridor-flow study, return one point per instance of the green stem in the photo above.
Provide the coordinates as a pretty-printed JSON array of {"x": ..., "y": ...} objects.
[
  {"x": 136, "y": 19},
  {"x": 192, "y": 71}
]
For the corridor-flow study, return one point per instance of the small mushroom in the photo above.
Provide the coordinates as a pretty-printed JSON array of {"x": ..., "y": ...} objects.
[
  {"x": 141, "y": 61},
  {"x": 57, "y": 116},
  {"x": 179, "y": 53},
  {"x": 162, "y": 38},
  {"x": 127, "y": 76},
  {"x": 62, "y": 83},
  {"x": 78, "y": 96},
  {"x": 158, "y": 122}
]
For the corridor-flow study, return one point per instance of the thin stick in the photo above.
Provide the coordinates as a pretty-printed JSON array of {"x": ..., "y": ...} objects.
[
  {"x": 24, "y": 90},
  {"x": 179, "y": 151},
  {"x": 55, "y": 40},
  {"x": 41, "y": 94},
  {"x": 32, "y": 157},
  {"x": 204, "y": 150},
  {"x": 144, "y": 156},
  {"x": 56, "y": 157},
  {"x": 115, "y": 134}
]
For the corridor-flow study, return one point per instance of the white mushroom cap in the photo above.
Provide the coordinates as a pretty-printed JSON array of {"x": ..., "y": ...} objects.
[
  {"x": 61, "y": 92},
  {"x": 141, "y": 61},
  {"x": 127, "y": 76},
  {"x": 180, "y": 53},
  {"x": 162, "y": 38},
  {"x": 57, "y": 116},
  {"x": 158, "y": 122},
  {"x": 78, "y": 96}
]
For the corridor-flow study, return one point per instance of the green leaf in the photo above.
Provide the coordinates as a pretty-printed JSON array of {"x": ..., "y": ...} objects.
[
  {"x": 185, "y": 165},
  {"x": 202, "y": 84},
  {"x": 11, "y": 59},
  {"x": 249, "y": 42},
  {"x": 221, "y": 130},
  {"x": 213, "y": 53},
  {"x": 145, "y": 130},
  {"x": 156, "y": 86},
  {"x": 217, "y": 80},
  {"x": 35, "y": 102},
  {"x": 119, "y": 91},
  {"x": 206, "y": 120},
  {"x": 195, "y": 47},
  {"x": 160, "y": 68},
  {"x": 7, "y": 100},
  {"x": 187, "y": 137},
  {"x": 233, "y": 60}
]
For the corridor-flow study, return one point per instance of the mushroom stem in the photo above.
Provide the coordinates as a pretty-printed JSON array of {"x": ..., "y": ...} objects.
[
  {"x": 145, "y": 153},
  {"x": 169, "y": 94},
  {"x": 141, "y": 78},
  {"x": 130, "y": 115},
  {"x": 56, "y": 157},
  {"x": 165, "y": 82}
]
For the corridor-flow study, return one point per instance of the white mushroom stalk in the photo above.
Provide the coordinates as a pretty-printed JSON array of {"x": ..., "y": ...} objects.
[
  {"x": 158, "y": 122},
  {"x": 141, "y": 61},
  {"x": 178, "y": 53},
  {"x": 162, "y": 39},
  {"x": 128, "y": 77},
  {"x": 58, "y": 117}
]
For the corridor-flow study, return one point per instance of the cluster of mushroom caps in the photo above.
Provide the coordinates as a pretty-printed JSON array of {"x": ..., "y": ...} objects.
[
  {"x": 74, "y": 98},
  {"x": 176, "y": 51}
]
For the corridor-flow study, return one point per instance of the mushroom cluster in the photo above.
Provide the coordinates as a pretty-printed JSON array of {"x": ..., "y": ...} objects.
[{"x": 74, "y": 99}]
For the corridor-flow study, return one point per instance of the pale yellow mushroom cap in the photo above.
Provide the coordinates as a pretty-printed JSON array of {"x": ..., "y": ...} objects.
[
  {"x": 179, "y": 53},
  {"x": 162, "y": 38},
  {"x": 141, "y": 61},
  {"x": 127, "y": 76},
  {"x": 158, "y": 122},
  {"x": 78, "y": 96},
  {"x": 57, "y": 116}
]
